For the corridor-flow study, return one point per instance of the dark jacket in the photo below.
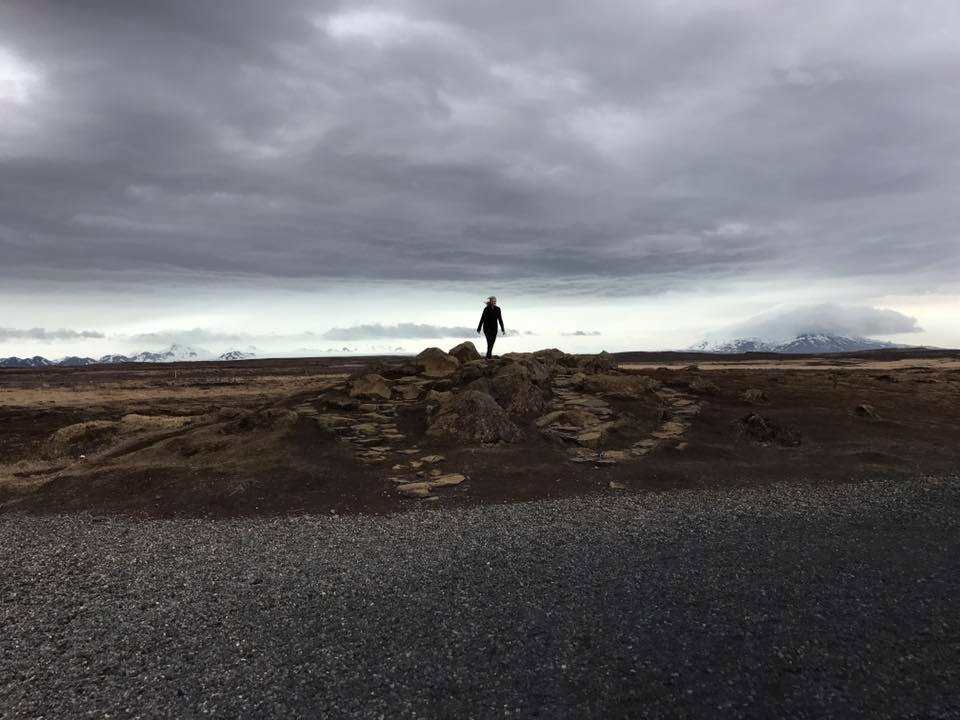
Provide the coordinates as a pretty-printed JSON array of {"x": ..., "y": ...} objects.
[{"x": 488, "y": 321}]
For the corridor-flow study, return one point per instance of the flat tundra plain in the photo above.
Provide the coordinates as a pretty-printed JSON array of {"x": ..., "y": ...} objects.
[{"x": 302, "y": 436}]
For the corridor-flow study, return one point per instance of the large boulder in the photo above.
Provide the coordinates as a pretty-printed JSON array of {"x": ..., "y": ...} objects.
[
  {"x": 465, "y": 352},
  {"x": 549, "y": 353},
  {"x": 520, "y": 398},
  {"x": 472, "y": 416},
  {"x": 436, "y": 362},
  {"x": 529, "y": 368},
  {"x": 370, "y": 385},
  {"x": 470, "y": 371},
  {"x": 553, "y": 356}
]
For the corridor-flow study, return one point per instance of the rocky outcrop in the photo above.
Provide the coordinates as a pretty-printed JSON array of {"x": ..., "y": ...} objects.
[
  {"x": 622, "y": 387},
  {"x": 436, "y": 362},
  {"x": 473, "y": 417},
  {"x": 465, "y": 352},
  {"x": 603, "y": 362}
]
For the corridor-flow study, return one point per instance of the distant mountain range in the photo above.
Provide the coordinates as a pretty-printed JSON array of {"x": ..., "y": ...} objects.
[
  {"x": 807, "y": 343},
  {"x": 175, "y": 353}
]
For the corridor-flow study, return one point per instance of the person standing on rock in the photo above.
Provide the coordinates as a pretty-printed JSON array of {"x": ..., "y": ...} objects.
[{"x": 488, "y": 321}]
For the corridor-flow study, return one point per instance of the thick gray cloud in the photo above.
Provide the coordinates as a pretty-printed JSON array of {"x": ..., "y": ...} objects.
[
  {"x": 607, "y": 147},
  {"x": 196, "y": 336},
  {"x": 401, "y": 330},
  {"x": 44, "y": 335},
  {"x": 828, "y": 319}
]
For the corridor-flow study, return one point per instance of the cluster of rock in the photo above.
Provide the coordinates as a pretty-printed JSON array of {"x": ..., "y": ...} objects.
[{"x": 464, "y": 398}]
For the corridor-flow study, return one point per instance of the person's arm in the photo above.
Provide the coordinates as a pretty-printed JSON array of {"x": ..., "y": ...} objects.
[
  {"x": 482, "y": 315},
  {"x": 500, "y": 318}
]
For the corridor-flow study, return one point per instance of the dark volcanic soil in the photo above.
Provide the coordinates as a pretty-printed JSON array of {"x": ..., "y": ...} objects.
[{"x": 221, "y": 439}]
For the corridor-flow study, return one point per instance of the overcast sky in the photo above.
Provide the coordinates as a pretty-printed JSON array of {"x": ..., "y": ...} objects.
[{"x": 624, "y": 175}]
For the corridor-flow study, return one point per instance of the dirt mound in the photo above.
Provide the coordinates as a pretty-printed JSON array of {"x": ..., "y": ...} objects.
[
  {"x": 765, "y": 431},
  {"x": 87, "y": 438},
  {"x": 81, "y": 439},
  {"x": 475, "y": 417}
]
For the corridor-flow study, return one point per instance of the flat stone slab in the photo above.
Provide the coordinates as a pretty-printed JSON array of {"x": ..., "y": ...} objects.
[{"x": 416, "y": 490}]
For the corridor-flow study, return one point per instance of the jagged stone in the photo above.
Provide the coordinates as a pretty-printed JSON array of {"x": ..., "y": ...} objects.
[
  {"x": 514, "y": 390},
  {"x": 465, "y": 352},
  {"x": 369, "y": 385},
  {"x": 603, "y": 362},
  {"x": 528, "y": 368},
  {"x": 436, "y": 362},
  {"x": 434, "y": 399},
  {"x": 753, "y": 395},
  {"x": 471, "y": 372}
]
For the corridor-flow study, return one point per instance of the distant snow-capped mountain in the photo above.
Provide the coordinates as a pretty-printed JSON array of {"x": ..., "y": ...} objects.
[
  {"x": 175, "y": 353},
  {"x": 35, "y": 361},
  {"x": 802, "y": 344},
  {"x": 236, "y": 355}
]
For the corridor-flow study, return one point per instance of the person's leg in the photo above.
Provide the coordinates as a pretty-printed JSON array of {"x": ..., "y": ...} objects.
[{"x": 491, "y": 338}]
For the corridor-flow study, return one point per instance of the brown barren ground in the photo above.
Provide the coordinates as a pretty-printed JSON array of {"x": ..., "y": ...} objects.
[{"x": 221, "y": 439}]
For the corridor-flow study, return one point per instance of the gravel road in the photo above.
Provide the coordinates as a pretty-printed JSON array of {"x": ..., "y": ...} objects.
[{"x": 789, "y": 600}]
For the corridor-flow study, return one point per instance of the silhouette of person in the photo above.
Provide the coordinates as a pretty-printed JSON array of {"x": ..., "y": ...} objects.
[{"x": 488, "y": 321}]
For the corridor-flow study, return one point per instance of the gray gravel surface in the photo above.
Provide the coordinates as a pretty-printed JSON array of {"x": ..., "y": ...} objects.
[{"x": 790, "y": 600}]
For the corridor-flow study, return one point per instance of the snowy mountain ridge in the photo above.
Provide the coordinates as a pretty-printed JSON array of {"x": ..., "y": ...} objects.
[
  {"x": 801, "y": 344},
  {"x": 174, "y": 353}
]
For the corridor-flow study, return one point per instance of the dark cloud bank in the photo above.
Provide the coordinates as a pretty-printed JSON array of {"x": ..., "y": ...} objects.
[
  {"x": 608, "y": 147},
  {"x": 44, "y": 335}
]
